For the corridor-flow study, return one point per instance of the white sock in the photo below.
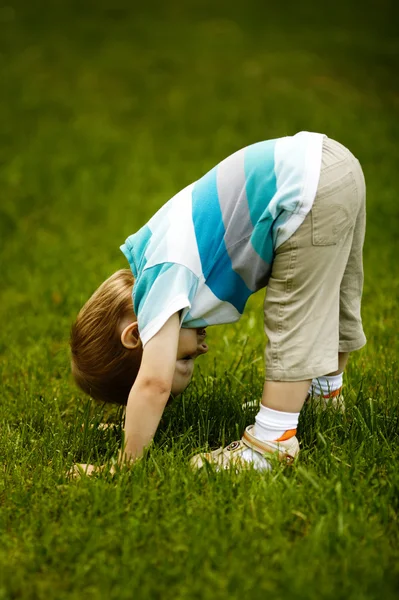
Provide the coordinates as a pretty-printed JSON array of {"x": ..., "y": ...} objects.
[
  {"x": 324, "y": 386},
  {"x": 271, "y": 424}
]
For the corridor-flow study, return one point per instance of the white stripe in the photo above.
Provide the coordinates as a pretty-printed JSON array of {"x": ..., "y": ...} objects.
[
  {"x": 297, "y": 169},
  {"x": 179, "y": 244},
  {"x": 177, "y": 304},
  {"x": 180, "y": 238},
  {"x": 209, "y": 307}
]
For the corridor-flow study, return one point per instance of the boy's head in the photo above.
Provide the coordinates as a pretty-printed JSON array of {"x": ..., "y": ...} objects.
[
  {"x": 106, "y": 347},
  {"x": 101, "y": 365}
]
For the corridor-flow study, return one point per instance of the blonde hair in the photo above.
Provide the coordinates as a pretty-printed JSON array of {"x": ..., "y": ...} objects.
[{"x": 101, "y": 365}]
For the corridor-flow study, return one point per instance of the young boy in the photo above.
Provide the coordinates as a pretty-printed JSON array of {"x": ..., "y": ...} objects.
[{"x": 288, "y": 214}]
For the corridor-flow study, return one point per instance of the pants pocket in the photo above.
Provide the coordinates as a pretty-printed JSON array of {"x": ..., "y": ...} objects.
[{"x": 334, "y": 211}]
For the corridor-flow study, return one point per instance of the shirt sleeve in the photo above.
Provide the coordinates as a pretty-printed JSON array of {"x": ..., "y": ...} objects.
[{"x": 158, "y": 293}]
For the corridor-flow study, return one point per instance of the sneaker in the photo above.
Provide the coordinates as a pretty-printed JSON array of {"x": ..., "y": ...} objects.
[
  {"x": 333, "y": 400},
  {"x": 285, "y": 449}
]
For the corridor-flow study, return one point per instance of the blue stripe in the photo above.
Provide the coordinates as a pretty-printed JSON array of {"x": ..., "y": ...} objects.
[
  {"x": 260, "y": 178},
  {"x": 262, "y": 238},
  {"x": 190, "y": 322},
  {"x": 217, "y": 269},
  {"x": 158, "y": 286},
  {"x": 142, "y": 288},
  {"x": 260, "y": 187},
  {"x": 134, "y": 249}
]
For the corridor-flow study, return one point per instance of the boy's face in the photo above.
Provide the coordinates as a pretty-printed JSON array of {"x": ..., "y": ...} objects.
[{"x": 191, "y": 345}]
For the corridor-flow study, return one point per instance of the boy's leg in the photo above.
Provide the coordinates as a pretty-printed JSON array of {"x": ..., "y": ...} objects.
[
  {"x": 304, "y": 307},
  {"x": 287, "y": 396},
  {"x": 351, "y": 336},
  {"x": 342, "y": 361},
  {"x": 327, "y": 390},
  {"x": 304, "y": 312}
]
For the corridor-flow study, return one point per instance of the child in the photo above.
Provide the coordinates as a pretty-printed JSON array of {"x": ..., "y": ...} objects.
[{"x": 288, "y": 213}]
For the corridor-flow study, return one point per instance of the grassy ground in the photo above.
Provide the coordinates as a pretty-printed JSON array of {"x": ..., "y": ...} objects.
[{"x": 105, "y": 113}]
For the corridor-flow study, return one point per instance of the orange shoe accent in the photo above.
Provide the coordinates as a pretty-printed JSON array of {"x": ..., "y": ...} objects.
[
  {"x": 286, "y": 435},
  {"x": 333, "y": 394}
]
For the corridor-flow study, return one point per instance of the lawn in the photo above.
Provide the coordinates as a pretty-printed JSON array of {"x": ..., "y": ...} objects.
[{"x": 105, "y": 112}]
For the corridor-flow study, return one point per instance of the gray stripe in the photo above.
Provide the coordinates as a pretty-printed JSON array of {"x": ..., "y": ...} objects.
[{"x": 233, "y": 202}]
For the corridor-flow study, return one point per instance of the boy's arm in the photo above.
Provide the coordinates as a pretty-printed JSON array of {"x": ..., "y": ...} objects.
[{"x": 151, "y": 390}]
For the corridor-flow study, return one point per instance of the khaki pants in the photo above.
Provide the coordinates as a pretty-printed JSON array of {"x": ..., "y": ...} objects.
[{"x": 312, "y": 305}]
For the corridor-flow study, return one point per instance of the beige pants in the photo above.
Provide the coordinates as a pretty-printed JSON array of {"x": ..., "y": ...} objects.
[{"x": 312, "y": 305}]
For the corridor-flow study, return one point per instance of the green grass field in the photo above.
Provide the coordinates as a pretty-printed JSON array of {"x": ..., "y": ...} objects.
[{"x": 106, "y": 112}]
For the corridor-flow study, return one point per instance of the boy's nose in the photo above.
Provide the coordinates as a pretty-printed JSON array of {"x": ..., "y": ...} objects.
[{"x": 202, "y": 348}]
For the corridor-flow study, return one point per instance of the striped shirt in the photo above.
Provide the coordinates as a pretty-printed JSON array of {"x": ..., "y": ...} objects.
[{"x": 212, "y": 245}]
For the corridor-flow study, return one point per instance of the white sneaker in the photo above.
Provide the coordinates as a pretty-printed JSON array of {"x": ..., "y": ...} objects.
[
  {"x": 333, "y": 400},
  {"x": 285, "y": 448}
]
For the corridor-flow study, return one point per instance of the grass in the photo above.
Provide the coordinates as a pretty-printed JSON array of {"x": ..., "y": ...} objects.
[{"x": 107, "y": 111}]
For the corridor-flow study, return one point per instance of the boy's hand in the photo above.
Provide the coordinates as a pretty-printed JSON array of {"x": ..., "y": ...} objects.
[
  {"x": 151, "y": 390},
  {"x": 79, "y": 470}
]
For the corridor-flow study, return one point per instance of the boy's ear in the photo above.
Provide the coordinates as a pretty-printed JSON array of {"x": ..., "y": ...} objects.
[{"x": 130, "y": 337}]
